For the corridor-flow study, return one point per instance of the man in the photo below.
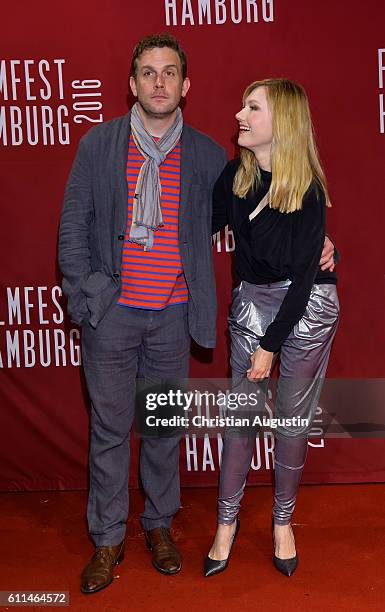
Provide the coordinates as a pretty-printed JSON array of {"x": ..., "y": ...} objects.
[{"x": 135, "y": 252}]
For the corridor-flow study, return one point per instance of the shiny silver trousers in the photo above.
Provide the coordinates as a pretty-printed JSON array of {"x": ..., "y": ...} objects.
[{"x": 303, "y": 361}]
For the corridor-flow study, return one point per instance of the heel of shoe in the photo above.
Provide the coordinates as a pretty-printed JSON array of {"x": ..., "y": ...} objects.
[
  {"x": 119, "y": 559},
  {"x": 148, "y": 544},
  {"x": 120, "y": 556}
]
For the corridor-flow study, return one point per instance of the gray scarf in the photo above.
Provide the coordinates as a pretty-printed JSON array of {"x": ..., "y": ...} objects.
[{"x": 146, "y": 210}]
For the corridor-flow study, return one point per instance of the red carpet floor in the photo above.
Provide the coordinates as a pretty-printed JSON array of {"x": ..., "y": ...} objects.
[{"x": 340, "y": 535}]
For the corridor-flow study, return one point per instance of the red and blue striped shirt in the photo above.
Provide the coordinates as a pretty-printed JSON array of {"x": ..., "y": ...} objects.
[{"x": 154, "y": 279}]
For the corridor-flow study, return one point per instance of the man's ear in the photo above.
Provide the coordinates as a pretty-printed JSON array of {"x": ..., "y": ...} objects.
[
  {"x": 133, "y": 86},
  {"x": 185, "y": 86}
]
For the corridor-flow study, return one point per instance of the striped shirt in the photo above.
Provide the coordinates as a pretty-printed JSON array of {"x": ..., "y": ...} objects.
[{"x": 154, "y": 279}]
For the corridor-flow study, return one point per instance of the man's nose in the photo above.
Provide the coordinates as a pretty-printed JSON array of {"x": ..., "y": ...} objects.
[{"x": 159, "y": 82}]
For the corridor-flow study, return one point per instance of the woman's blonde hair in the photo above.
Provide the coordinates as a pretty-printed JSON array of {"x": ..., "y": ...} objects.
[{"x": 294, "y": 157}]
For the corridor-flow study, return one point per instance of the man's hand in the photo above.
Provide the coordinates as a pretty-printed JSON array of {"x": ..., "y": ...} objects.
[
  {"x": 261, "y": 362},
  {"x": 327, "y": 260}
]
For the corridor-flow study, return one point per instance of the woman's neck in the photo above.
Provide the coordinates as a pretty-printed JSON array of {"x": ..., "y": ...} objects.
[{"x": 263, "y": 157}]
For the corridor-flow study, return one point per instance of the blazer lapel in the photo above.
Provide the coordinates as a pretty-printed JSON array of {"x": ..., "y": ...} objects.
[
  {"x": 187, "y": 171},
  {"x": 120, "y": 151},
  {"x": 118, "y": 160}
]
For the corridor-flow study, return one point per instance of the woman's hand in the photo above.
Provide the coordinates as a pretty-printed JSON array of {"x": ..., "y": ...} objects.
[
  {"x": 327, "y": 256},
  {"x": 261, "y": 362}
]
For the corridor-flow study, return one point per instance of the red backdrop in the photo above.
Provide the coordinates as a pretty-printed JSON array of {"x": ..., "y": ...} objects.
[{"x": 47, "y": 58}]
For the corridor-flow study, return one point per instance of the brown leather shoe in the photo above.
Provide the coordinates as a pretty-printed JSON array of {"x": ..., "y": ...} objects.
[
  {"x": 166, "y": 558},
  {"x": 99, "y": 572}
]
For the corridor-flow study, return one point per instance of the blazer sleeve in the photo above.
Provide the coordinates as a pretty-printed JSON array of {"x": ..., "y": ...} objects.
[{"x": 74, "y": 233}]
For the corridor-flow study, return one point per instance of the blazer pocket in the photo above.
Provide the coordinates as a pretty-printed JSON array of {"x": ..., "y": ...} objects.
[{"x": 95, "y": 284}]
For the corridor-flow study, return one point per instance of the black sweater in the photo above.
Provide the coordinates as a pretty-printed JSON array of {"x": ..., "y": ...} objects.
[{"x": 275, "y": 246}]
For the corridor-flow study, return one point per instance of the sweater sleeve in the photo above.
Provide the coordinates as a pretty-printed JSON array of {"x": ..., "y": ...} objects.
[
  {"x": 222, "y": 194},
  {"x": 308, "y": 240}
]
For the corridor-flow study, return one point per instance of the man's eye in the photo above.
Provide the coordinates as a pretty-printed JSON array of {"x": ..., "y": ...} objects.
[
  {"x": 147, "y": 73},
  {"x": 170, "y": 73}
]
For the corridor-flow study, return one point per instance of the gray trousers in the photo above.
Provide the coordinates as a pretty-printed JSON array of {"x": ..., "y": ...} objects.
[
  {"x": 130, "y": 343},
  {"x": 304, "y": 357}
]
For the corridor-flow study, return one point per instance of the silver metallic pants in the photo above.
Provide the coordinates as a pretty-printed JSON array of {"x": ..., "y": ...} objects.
[{"x": 303, "y": 361}]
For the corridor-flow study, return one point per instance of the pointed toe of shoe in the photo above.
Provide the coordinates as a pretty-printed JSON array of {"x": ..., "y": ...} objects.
[
  {"x": 93, "y": 586},
  {"x": 286, "y": 566},
  {"x": 212, "y": 567}
]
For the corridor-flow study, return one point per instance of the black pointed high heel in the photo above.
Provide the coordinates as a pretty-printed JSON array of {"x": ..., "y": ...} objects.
[
  {"x": 285, "y": 566},
  {"x": 214, "y": 566}
]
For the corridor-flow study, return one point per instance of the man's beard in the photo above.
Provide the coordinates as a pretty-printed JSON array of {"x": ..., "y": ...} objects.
[{"x": 150, "y": 112}]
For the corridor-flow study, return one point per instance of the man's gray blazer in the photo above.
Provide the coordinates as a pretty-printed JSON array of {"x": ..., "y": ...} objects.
[{"x": 94, "y": 219}]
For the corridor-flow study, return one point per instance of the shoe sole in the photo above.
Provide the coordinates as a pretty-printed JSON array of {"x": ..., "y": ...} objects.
[
  {"x": 99, "y": 588},
  {"x": 157, "y": 567},
  {"x": 164, "y": 571}
]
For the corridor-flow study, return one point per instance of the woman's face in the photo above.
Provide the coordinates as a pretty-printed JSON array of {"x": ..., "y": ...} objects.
[{"x": 255, "y": 123}]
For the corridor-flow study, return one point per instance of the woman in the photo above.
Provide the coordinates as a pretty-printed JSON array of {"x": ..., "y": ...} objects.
[{"x": 285, "y": 303}]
